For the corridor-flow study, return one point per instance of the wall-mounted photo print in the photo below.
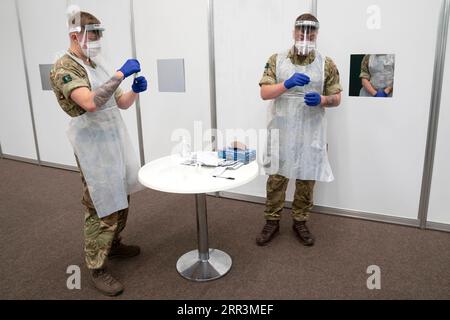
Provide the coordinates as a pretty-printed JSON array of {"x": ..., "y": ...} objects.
[{"x": 372, "y": 75}]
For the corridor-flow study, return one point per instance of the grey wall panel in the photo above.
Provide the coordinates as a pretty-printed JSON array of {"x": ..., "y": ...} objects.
[{"x": 16, "y": 129}]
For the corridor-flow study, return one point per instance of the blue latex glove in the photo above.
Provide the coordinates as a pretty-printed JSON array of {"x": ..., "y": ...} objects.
[
  {"x": 139, "y": 84},
  {"x": 298, "y": 79},
  {"x": 312, "y": 99},
  {"x": 381, "y": 93},
  {"x": 130, "y": 67}
]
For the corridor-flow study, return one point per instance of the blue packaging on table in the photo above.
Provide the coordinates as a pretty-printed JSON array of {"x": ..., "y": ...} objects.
[{"x": 244, "y": 156}]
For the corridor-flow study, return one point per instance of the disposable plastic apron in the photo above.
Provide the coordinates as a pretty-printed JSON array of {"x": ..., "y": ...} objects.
[
  {"x": 296, "y": 146},
  {"x": 381, "y": 68},
  {"x": 104, "y": 150}
]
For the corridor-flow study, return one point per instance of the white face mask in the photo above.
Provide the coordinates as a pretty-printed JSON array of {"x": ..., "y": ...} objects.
[
  {"x": 93, "y": 49},
  {"x": 304, "y": 48}
]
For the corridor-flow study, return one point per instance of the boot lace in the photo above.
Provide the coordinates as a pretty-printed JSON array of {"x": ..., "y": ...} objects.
[
  {"x": 106, "y": 277},
  {"x": 268, "y": 228},
  {"x": 302, "y": 229}
]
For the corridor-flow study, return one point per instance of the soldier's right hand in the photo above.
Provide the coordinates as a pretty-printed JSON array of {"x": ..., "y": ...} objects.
[
  {"x": 130, "y": 67},
  {"x": 298, "y": 79}
]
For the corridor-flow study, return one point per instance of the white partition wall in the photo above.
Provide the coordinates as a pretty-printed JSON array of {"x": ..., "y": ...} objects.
[
  {"x": 16, "y": 129},
  {"x": 172, "y": 29},
  {"x": 247, "y": 33},
  {"x": 376, "y": 146},
  {"x": 439, "y": 211},
  {"x": 45, "y": 36},
  {"x": 115, "y": 16}
]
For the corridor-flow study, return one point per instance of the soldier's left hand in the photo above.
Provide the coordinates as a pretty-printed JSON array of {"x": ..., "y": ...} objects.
[
  {"x": 139, "y": 84},
  {"x": 312, "y": 99}
]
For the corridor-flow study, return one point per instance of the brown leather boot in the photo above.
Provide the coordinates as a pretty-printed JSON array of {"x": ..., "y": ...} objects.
[
  {"x": 120, "y": 250},
  {"x": 270, "y": 230},
  {"x": 105, "y": 282},
  {"x": 302, "y": 233}
]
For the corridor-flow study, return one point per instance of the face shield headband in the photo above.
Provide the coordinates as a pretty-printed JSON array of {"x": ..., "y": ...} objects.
[
  {"x": 90, "y": 47},
  {"x": 305, "y": 36}
]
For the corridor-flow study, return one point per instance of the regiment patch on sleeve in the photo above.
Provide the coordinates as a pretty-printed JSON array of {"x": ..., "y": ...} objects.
[{"x": 67, "y": 78}]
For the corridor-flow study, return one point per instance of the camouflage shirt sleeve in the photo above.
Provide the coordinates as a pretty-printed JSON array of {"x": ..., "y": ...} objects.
[
  {"x": 365, "y": 74},
  {"x": 67, "y": 78},
  {"x": 270, "y": 73},
  {"x": 332, "y": 83}
]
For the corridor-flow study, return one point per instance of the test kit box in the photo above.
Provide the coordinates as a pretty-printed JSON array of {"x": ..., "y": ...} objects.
[{"x": 244, "y": 156}]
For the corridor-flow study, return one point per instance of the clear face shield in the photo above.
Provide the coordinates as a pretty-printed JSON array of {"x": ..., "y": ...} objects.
[
  {"x": 90, "y": 42},
  {"x": 305, "y": 35}
]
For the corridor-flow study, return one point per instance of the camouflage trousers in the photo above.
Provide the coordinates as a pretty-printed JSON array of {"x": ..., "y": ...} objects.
[
  {"x": 99, "y": 233},
  {"x": 276, "y": 195}
]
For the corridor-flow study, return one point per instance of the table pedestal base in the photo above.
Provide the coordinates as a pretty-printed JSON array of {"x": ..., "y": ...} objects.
[{"x": 191, "y": 267}]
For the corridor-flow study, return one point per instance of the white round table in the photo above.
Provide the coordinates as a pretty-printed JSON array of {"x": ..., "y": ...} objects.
[{"x": 167, "y": 174}]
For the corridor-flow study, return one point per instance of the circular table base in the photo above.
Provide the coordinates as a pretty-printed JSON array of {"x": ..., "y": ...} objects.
[{"x": 191, "y": 267}]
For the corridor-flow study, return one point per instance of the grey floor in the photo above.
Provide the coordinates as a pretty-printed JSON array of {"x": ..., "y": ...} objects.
[{"x": 41, "y": 235}]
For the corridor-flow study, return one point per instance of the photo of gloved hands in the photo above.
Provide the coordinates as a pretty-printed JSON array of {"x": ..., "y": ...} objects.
[
  {"x": 383, "y": 93},
  {"x": 372, "y": 75},
  {"x": 130, "y": 67}
]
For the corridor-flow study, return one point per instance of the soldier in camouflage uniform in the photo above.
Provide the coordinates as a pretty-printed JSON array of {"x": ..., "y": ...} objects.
[
  {"x": 273, "y": 88},
  {"x": 72, "y": 87}
]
